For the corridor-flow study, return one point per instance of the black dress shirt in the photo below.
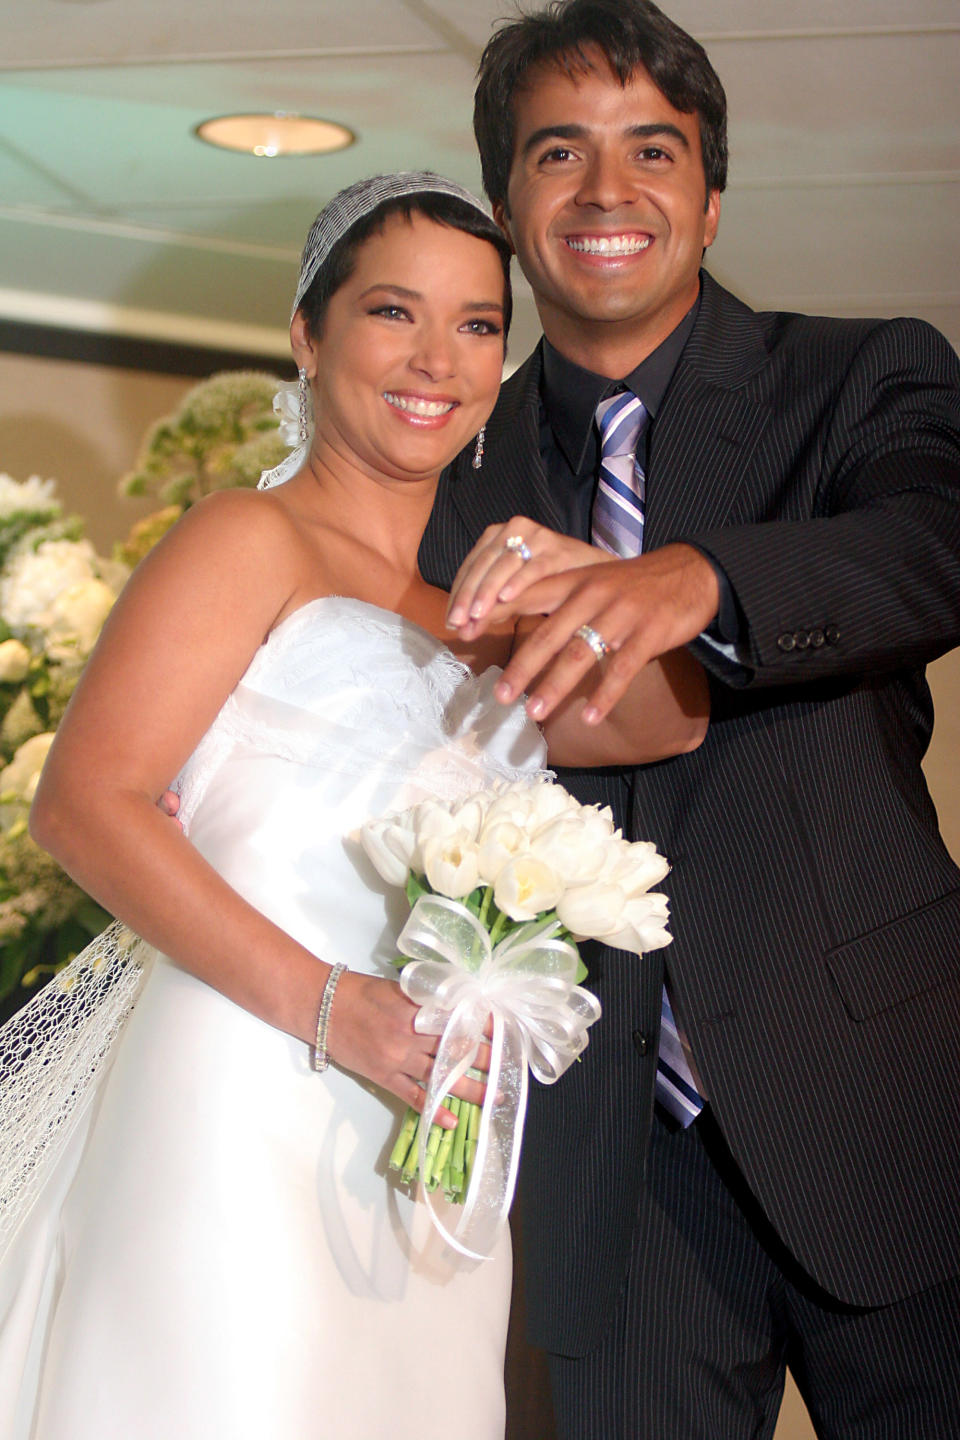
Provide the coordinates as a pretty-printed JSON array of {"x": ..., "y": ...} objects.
[{"x": 570, "y": 447}]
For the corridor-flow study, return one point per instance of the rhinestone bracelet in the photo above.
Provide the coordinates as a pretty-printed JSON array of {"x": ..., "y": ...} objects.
[{"x": 320, "y": 1057}]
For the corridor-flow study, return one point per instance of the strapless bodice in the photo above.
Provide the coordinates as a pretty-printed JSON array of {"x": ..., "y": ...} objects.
[{"x": 345, "y": 712}]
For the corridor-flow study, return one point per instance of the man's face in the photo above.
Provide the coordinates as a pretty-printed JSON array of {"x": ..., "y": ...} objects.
[{"x": 607, "y": 207}]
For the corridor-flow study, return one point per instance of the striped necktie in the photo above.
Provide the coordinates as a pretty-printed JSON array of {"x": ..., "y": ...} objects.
[
  {"x": 617, "y": 521},
  {"x": 617, "y": 526}
]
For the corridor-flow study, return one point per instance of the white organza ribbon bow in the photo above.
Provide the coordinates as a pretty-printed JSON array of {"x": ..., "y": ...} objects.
[{"x": 540, "y": 1020}]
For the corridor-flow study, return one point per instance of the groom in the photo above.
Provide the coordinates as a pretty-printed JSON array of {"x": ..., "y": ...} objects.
[{"x": 793, "y": 516}]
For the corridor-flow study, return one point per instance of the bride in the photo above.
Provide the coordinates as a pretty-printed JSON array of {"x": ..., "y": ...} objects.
[{"x": 212, "y": 1246}]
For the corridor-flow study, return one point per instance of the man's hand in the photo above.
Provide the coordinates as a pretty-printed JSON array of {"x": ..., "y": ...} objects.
[{"x": 641, "y": 607}]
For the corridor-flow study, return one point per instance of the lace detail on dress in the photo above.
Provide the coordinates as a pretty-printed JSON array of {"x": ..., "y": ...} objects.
[
  {"x": 344, "y": 686},
  {"x": 51, "y": 1057}
]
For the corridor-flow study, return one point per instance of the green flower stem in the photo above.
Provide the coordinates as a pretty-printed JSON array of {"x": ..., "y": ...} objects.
[
  {"x": 473, "y": 1135},
  {"x": 406, "y": 1140},
  {"x": 497, "y": 928},
  {"x": 445, "y": 1146}
]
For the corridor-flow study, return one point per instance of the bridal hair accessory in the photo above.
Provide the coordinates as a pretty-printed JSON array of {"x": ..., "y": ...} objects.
[
  {"x": 478, "y": 450},
  {"x": 594, "y": 639},
  {"x": 518, "y": 546},
  {"x": 502, "y": 885},
  {"x": 330, "y": 226},
  {"x": 320, "y": 1057}
]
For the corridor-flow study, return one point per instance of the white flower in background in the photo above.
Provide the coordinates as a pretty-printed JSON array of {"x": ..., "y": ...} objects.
[
  {"x": 33, "y": 496},
  {"x": 19, "y": 780},
  {"x": 525, "y": 887},
  {"x": 75, "y": 618},
  {"x": 34, "y": 578},
  {"x": 14, "y": 661}
]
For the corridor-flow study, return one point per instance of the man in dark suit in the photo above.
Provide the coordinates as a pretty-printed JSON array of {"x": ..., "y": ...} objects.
[{"x": 794, "y": 518}]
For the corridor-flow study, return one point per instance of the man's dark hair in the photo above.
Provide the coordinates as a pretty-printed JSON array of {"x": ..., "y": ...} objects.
[
  {"x": 443, "y": 209},
  {"x": 630, "y": 33}
]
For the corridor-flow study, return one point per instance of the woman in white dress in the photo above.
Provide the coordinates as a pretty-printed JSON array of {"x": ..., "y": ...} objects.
[{"x": 213, "y": 1247}]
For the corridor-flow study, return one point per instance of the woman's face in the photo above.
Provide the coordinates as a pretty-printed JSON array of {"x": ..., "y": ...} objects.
[{"x": 408, "y": 363}]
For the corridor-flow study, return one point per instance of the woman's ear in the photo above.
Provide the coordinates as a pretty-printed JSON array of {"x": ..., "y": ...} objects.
[{"x": 301, "y": 343}]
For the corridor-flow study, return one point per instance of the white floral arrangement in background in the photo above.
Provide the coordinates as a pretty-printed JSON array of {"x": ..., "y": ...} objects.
[{"x": 55, "y": 593}]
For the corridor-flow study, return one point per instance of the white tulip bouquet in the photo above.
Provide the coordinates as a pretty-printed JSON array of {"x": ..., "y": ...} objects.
[{"x": 502, "y": 885}]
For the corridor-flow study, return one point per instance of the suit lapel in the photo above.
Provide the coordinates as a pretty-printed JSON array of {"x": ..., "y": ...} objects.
[
  {"x": 513, "y": 480},
  {"x": 710, "y": 423}
]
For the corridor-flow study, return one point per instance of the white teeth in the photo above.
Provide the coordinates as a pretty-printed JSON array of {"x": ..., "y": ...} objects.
[
  {"x": 427, "y": 408},
  {"x": 610, "y": 244}
]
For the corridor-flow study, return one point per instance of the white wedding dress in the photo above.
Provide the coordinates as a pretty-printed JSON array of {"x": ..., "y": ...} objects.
[{"x": 217, "y": 1250}]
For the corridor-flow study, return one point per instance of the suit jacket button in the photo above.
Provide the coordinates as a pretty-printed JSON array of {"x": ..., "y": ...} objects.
[
  {"x": 817, "y": 639},
  {"x": 642, "y": 1042},
  {"x": 786, "y": 643},
  {"x": 801, "y": 639},
  {"x": 831, "y": 634}
]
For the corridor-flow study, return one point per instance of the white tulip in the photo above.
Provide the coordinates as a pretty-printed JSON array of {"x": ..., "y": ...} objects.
[
  {"x": 575, "y": 846},
  {"x": 638, "y": 867},
  {"x": 450, "y": 864},
  {"x": 469, "y": 817},
  {"x": 644, "y": 926},
  {"x": 383, "y": 842},
  {"x": 14, "y": 661},
  {"x": 592, "y": 911},
  {"x": 430, "y": 820},
  {"x": 499, "y": 842},
  {"x": 525, "y": 887}
]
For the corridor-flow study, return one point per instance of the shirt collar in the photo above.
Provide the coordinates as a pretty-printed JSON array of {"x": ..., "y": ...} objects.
[{"x": 571, "y": 394}]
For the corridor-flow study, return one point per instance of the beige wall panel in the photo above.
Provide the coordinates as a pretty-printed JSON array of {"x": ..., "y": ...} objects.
[{"x": 81, "y": 425}]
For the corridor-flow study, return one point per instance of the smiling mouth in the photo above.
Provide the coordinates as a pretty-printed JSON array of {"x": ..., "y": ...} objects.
[
  {"x": 608, "y": 244},
  {"x": 414, "y": 405}
]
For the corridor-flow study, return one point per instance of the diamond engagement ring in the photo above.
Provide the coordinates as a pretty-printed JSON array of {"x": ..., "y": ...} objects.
[
  {"x": 518, "y": 546},
  {"x": 594, "y": 639}
]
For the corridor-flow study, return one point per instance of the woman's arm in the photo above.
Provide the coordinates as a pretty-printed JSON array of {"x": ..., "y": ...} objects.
[
  {"x": 662, "y": 710},
  {"x": 177, "y": 642}
]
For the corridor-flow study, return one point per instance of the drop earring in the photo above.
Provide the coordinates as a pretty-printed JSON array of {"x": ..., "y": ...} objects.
[
  {"x": 304, "y": 398},
  {"x": 478, "y": 449}
]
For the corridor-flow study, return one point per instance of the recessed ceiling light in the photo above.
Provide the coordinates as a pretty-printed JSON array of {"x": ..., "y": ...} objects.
[{"x": 269, "y": 135}]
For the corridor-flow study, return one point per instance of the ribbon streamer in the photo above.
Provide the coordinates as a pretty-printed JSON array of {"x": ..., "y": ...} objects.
[{"x": 540, "y": 1021}]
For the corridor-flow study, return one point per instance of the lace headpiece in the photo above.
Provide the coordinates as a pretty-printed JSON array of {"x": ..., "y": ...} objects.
[{"x": 331, "y": 225}]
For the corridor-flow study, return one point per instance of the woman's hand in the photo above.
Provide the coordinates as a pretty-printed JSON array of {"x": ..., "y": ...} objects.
[
  {"x": 372, "y": 1032},
  {"x": 496, "y": 573}
]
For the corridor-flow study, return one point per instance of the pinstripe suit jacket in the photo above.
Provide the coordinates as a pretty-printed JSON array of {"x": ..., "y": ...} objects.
[{"x": 816, "y": 912}]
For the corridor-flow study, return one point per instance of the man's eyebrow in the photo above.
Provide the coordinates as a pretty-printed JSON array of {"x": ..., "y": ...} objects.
[{"x": 580, "y": 132}]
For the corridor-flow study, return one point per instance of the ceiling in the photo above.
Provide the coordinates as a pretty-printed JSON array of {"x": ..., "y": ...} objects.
[{"x": 844, "y": 192}]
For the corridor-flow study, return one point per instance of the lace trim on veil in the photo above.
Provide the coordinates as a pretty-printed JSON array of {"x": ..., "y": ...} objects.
[{"x": 52, "y": 1056}]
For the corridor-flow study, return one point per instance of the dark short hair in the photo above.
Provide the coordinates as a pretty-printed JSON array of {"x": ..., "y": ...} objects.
[
  {"x": 631, "y": 34},
  {"x": 442, "y": 209}
]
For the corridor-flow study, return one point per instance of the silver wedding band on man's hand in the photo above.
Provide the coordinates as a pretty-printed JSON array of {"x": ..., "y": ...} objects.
[
  {"x": 518, "y": 546},
  {"x": 594, "y": 639}
]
